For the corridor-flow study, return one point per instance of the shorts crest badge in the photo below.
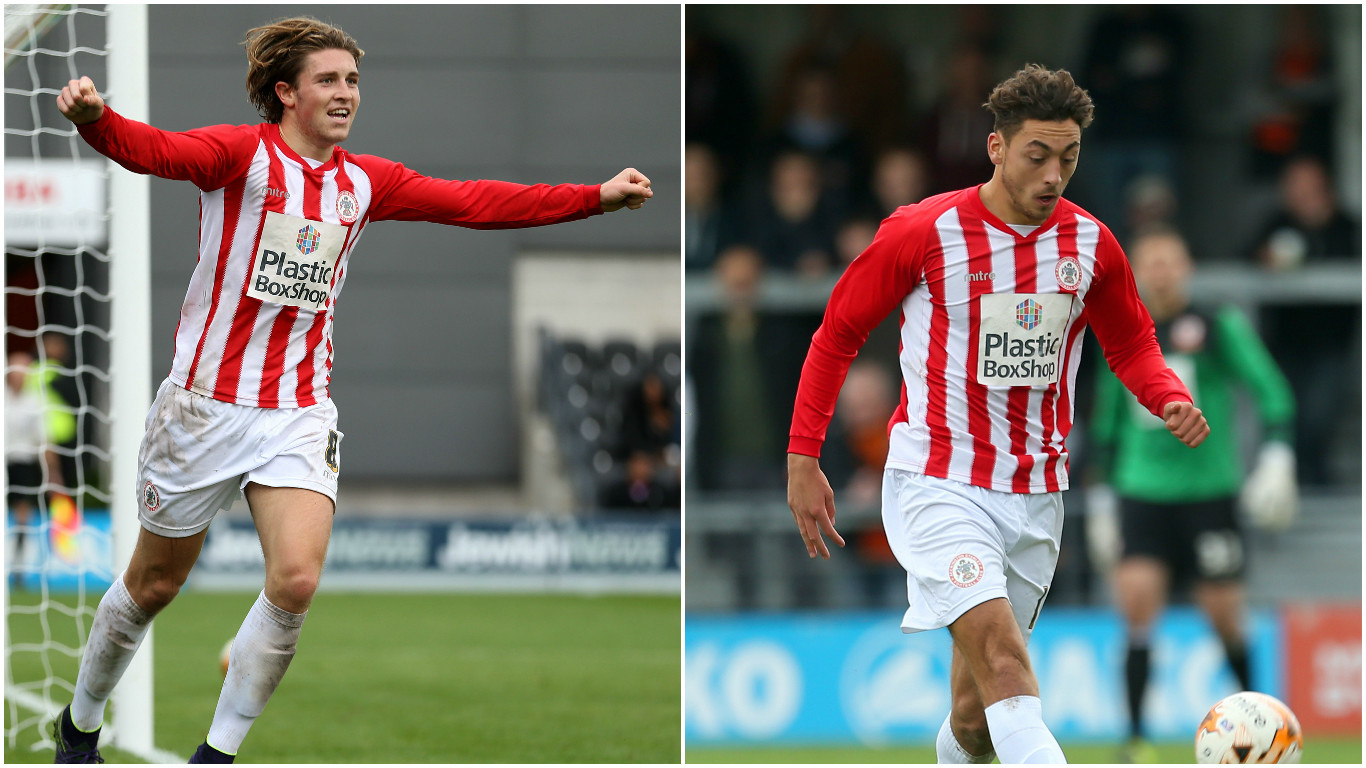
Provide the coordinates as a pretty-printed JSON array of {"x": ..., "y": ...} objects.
[
  {"x": 965, "y": 570},
  {"x": 151, "y": 498}
]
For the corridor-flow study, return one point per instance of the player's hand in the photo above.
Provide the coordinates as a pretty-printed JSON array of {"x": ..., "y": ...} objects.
[
  {"x": 629, "y": 188},
  {"x": 1186, "y": 422},
  {"x": 812, "y": 502},
  {"x": 79, "y": 102}
]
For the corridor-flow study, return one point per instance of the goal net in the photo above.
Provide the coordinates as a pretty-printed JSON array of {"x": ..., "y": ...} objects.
[{"x": 76, "y": 363}]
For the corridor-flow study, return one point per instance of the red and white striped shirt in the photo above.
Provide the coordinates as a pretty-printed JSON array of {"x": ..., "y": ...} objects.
[
  {"x": 275, "y": 234},
  {"x": 991, "y": 338}
]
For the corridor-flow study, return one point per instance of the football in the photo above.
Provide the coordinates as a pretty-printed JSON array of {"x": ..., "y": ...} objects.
[
  {"x": 1249, "y": 727},
  {"x": 223, "y": 658}
]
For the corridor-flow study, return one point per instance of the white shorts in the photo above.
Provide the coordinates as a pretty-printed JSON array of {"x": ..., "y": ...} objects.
[
  {"x": 962, "y": 545},
  {"x": 199, "y": 453}
]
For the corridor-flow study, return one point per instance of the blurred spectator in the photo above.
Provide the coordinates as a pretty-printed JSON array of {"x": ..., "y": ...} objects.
[
  {"x": 718, "y": 106},
  {"x": 642, "y": 488},
  {"x": 900, "y": 177},
  {"x": 868, "y": 87},
  {"x": 1134, "y": 71},
  {"x": 28, "y": 454},
  {"x": 50, "y": 380},
  {"x": 1314, "y": 343},
  {"x": 794, "y": 227},
  {"x": 953, "y": 133},
  {"x": 854, "y": 237},
  {"x": 1150, "y": 202},
  {"x": 866, "y": 402},
  {"x": 649, "y": 424},
  {"x": 1297, "y": 100},
  {"x": 744, "y": 364},
  {"x": 707, "y": 222},
  {"x": 1309, "y": 226},
  {"x": 810, "y": 124}
]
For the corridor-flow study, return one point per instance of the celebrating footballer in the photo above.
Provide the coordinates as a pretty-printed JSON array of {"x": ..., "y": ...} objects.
[{"x": 245, "y": 408}]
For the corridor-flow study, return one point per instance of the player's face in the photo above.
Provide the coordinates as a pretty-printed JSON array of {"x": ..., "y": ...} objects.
[
  {"x": 1035, "y": 166},
  {"x": 326, "y": 97}
]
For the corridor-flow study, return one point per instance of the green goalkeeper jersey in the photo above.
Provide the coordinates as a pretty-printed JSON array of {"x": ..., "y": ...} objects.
[{"x": 1213, "y": 355}]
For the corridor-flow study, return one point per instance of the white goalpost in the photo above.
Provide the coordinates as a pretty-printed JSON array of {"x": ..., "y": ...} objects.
[{"x": 77, "y": 268}]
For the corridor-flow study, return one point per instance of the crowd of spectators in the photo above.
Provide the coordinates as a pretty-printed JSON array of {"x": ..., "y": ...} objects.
[{"x": 793, "y": 179}]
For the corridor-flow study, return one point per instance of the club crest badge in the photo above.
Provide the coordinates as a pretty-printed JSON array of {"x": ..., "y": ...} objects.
[
  {"x": 965, "y": 570},
  {"x": 151, "y": 498},
  {"x": 348, "y": 208},
  {"x": 1068, "y": 272}
]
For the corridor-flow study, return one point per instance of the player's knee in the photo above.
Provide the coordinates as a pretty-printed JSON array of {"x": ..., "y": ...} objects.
[
  {"x": 1008, "y": 666},
  {"x": 293, "y": 589},
  {"x": 153, "y": 592},
  {"x": 970, "y": 728}
]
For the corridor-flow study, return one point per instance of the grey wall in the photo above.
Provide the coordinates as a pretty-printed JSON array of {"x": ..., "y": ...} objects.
[{"x": 423, "y": 367}]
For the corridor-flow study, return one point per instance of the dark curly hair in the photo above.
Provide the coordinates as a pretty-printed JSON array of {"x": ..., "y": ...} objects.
[
  {"x": 276, "y": 53},
  {"x": 1038, "y": 93}
]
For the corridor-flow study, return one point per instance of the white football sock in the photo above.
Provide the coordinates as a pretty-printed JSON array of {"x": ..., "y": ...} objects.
[
  {"x": 115, "y": 634},
  {"x": 1018, "y": 732},
  {"x": 260, "y": 654},
  {"x": 948, "y": 751}
]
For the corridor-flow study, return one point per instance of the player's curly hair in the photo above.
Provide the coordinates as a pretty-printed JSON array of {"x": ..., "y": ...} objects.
[
  {"x": 1038, "y": 93},
  {"x": 276, "y": 53}
]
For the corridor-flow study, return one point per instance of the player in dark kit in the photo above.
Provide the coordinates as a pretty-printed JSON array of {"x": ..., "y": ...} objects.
[
  {"x": 1178, "y": 509},
  {"x": 245, "y": 409}
]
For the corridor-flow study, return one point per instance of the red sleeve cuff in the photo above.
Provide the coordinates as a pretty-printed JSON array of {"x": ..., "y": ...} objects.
[
  {"x": 592, "y": 199},
  {"x": 97, "y": 125},
  {"x": 806, "y": 446}
]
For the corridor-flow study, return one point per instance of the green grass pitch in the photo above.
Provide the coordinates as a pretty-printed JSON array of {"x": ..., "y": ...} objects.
[
  {"x": 1323, "y": 749},
  {"x": 425, "y": 677}
]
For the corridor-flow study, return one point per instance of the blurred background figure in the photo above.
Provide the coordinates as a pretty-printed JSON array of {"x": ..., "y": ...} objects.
[
  {"x": 952, "y": 131},
  {"x": 1297, "y": 97},
  {"x": 865, "y": 406},
  {"x": 1317, "y": 345},
  {"x": 707, "y": 219},
  {"x": 31, "y": 463},
  {"x": 1178, "y": 510},
  {"x": 900, "y": 177},
  {"x": 854, "y": 236},
  {"x": 1309, "y": 225},
  {"x": 793, "y": 226},
  {"x": 1134, "y": 69},
  {"x": 739, "y": 359},
  {"x": 1188, "y": 98}
]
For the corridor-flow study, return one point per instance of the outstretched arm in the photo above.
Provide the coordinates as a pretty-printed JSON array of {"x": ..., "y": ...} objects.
[
  {"x": 629, "y": 188},
  {"x": 210, "y": 157}
]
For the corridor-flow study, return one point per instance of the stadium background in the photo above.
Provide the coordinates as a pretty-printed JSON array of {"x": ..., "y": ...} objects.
[
  {"x": 789, "y": 659},
  {"x": 463, "y": 473}
]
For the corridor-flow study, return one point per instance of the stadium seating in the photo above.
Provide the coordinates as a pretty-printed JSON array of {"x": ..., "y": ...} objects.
[{"x": 582, "y": 390}]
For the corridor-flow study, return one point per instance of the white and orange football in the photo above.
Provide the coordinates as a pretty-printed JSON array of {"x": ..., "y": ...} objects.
[{"x": 1249, "y": 727}]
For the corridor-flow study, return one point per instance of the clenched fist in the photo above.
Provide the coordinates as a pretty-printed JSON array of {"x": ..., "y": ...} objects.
[
  {"x": 1186, "y": 422},
  {"x": 79, "y": 102}
]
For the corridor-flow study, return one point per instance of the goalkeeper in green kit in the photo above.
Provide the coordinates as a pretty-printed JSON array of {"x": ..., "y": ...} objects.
[{"x": 1177, "y": 508}]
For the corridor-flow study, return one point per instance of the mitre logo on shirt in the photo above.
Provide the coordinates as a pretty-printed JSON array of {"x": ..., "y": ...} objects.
[
  {"x": 1020, "y": 340},
  {"x": 295, "y": 261}
]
